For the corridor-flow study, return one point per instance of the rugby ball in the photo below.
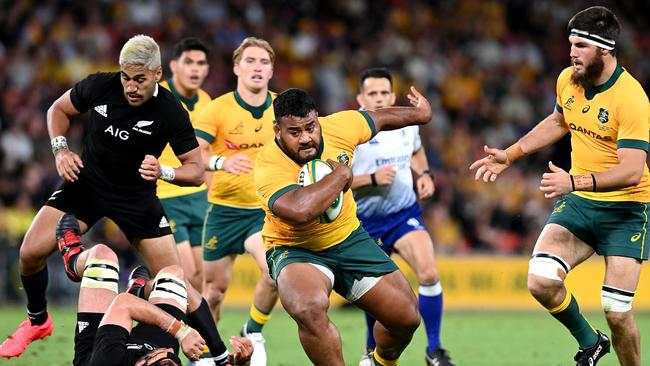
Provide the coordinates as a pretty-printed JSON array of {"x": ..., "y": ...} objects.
[{"x": 311, "y": 173}]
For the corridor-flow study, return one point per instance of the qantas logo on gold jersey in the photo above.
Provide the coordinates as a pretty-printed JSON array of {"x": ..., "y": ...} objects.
[
  {"x": 589, "y": 133},
  {"x": 232, "y": 146}
]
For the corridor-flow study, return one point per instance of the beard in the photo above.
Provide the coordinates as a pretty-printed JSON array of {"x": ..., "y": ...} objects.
[
  {"x": 591, "y": 74},
  {"x": 300, "y": 159}
]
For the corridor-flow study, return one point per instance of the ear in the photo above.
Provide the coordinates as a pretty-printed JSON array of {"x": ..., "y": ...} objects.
[
  {"x": 159, "y": 73},
  {"x": 392, "y": 98},
  {"x": 172, "y": 66},
  {"x": 276, "y": 127},
  {"x": 236, "y": 70},
  {"x": 360, "y": 100}
]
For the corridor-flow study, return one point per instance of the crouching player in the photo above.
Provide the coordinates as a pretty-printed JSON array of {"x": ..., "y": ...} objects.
[{"x": 104, "y": 334}]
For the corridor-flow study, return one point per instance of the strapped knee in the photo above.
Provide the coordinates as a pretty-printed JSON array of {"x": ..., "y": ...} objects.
[
  {"x": 548, "y": 266},
  {"x": 101, "y": 273},
  {"x": 616, "y": 300},
  {"x": 168, "y": 286}
]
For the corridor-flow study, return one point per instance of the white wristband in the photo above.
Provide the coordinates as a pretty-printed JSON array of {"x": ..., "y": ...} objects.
[
  {"x": 216, "y": 162},
  {"x": 183, "y": 332},
  {"x": 59, "y": 143},
  {"x": 167, "y": 173}
]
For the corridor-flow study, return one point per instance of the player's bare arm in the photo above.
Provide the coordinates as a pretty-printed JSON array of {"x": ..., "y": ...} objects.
[
  {"x": 190, "y": 173},
  {"x": 306, "y": 203},
  {"x": 68, "y": 163},
  {"x": 626, "y": 173},
  {"x": 236, "y": 164},
  {"x": 126, "y": 308},
  {"x": 547, "y": 132},
  {"x": 425, "y": 187},
  {"x": 383, "y": 176},
  {"x": 392, "y": 118}
]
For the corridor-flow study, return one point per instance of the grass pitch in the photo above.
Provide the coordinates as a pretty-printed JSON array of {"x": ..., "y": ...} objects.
[{"x": 473, "y": 338}]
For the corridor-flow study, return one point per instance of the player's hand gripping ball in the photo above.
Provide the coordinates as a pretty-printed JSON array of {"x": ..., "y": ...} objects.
[{"x": 311, "y": 173}]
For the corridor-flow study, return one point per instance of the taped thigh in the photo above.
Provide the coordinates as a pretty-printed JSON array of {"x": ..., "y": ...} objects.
[
  {"x": 100, "y": 273},
  {"x": 616, "y": 300},
  {"x": 548, "y": 265},
  {"x": 168, "y": 286}
]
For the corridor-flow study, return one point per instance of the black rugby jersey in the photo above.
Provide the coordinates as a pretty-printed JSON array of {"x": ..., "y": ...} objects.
[{"x": 120, "y": 135}]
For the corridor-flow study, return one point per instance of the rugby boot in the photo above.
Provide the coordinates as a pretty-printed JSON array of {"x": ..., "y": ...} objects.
[
  {"x": 591, "y": 355},
  {"x": 439, "y": 357},
  {"x": 138, "y": 280},
  {"x": 68, "y": 237},
  {"x": 365, "y": 359},
  {"x": 26, "y": 333}
]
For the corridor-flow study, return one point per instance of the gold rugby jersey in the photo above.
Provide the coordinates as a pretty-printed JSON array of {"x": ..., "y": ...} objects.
[
  {"x": 276, "y": 174},
  {"x": 232, "y": 126},
  {"x": 601, "y": 120}
]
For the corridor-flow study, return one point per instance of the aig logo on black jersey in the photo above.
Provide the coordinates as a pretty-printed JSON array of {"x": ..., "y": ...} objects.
[{"x": 116, "y": 132}]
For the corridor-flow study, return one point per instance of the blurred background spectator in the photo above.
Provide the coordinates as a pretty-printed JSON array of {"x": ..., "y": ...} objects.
[{"x": 488, "y": 67}]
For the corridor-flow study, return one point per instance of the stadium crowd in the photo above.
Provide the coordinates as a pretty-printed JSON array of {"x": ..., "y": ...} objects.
[{"x": 488, "y": 67}]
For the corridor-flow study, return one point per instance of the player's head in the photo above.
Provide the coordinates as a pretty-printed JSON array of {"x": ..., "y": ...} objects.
[
  {"x": 376, "y": 89},
  {"x": 593, "y": 34},
  {"x": 253, "y": 64},
  {"x": 140, "y": 68},
  {"x": 159, "y": 357},
  {"x": 296, "y": 125},
  {"x": 189, "y": 64}
]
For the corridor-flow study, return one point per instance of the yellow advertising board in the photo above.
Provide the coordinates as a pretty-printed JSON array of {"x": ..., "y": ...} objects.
[{"x": 477, "y": 282}]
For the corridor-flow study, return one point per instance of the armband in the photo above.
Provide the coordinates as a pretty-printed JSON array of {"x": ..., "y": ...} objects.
[
  {"x": 514, "y": 152},
  {"x": 373, "y": 180},
  {"x": 59, "y": 143},
  {"x": 167, "y": 173},
  {"x": 178, "y": 330},
  {"x": 216, "y": 162}
]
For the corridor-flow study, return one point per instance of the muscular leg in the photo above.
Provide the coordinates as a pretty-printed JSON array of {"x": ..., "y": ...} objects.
[
  {"x": 392, "y": 302},
  {"x": 95, "y": 297},
  {"x": 417, "y": 250},
  {"x": 38, "y": 244},
  {"x": 188, "y": 264},
  {"x": 623, "y": 273},
  {"x": 266, "y": 295},
  {"x": 197, "y": 279},
  {"x": 216, "y": 279},
  {"x": 552, "y": 293},
  {"x": 304, "y": 292}
]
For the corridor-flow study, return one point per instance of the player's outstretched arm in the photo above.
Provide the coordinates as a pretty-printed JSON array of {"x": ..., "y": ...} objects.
[
  {"x": 68, "y": 163},
  {"x": 547, "y": 132},
  {"x": 304, "y": 204},
  {"x": 392, "y": 118}
]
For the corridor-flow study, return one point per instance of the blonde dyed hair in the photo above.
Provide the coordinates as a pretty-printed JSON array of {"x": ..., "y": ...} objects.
[
  {"x": 140, "y": 50},
  {"x": 252, "y": 42}
]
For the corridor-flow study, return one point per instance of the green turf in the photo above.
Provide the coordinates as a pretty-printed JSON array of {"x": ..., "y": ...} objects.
[{"x": 473, "y": 338}]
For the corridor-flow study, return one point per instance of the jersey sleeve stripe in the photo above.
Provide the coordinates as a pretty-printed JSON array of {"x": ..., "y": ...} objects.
[
  {"x": 559, "y": 108},
  {"x": 204, "y": 135},
  {"x": 371, "y": 123},
  {"x": 279, "y": 193},
  {"x": 632, "y": 144}
]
